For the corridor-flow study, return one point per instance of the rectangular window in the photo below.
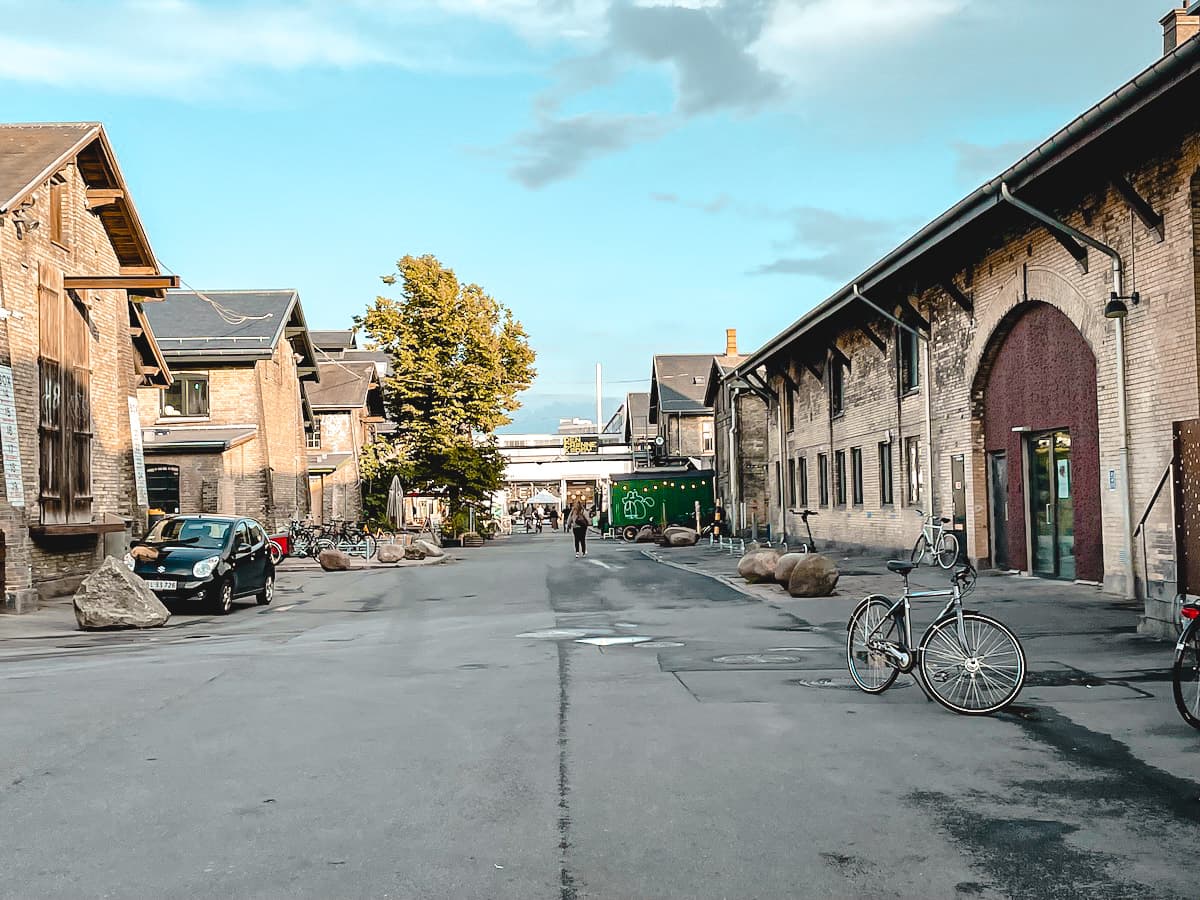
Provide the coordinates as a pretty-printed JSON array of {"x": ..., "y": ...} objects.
[
  {"x": 312, "y": 438},
  {"x": 837, "y": 388},
  {"x": 912, "y": 456},
  {"x": 839, "y": 477},
  {"x": 823, "y": 478},
  {"x": 57, "y": 191},
  {"x": 856, "y": 475},
  {"x": 910, "y": 360},
  {"x": 885, "y": 473},
  {"x": 802, "y": 466},
  {"x": 790, "y": 406},
  {"x": 778, "y": 483},
  {"x": 187, "y": 396},
  {"x": 706, "y": 434},
  {"x": 792, "y": 483}
]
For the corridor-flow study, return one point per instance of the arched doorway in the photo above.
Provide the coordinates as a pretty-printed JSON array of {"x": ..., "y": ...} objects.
[{"x": 1037, "y": 384}]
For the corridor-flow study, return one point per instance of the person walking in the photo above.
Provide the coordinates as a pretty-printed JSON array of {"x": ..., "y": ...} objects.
[
  {"x": 554, "y": 518},
  {"x": 579, "y": 526}
]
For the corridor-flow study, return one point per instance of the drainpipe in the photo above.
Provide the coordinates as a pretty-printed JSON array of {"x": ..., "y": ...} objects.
[
  {"x": 735, "y": 462},
  {"x": 782, "y": 465},
  {"x": 1122, "y": 408}
]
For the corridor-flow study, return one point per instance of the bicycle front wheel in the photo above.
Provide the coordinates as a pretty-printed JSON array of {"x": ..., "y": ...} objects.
[
  {"x": 975, "y": 673},
  {"x": 870, "y": 670},
  {"x": 920, "y": 548},
  {"x": 1185, "y": 675},
  {"x": 947, "y": 551}
]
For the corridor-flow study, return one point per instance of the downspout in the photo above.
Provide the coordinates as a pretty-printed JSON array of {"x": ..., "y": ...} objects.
[
  {"x": 735, "y": 461},
  {"x": 782, "y": 458},
  {"x": 1122, "y": 406}
]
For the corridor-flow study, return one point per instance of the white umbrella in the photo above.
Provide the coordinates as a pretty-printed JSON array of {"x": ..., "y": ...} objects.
[
  {"x": 543, "y": 496},
  {"x": 395, "y": 503}
]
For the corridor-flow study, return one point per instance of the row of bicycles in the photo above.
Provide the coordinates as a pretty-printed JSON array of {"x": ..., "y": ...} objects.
[{"x": 307, "y": 539}]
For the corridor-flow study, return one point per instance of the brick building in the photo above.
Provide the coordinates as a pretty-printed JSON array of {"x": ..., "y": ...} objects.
[
  {"x": 348, "y": 409},
  {"x": 228, "y": 436},
  {"x": 1023, "y": 364},
  {"x": 740, "y": 454},
  {"x": 677, "y": 411},
  {"x": 75, "y": 269}
]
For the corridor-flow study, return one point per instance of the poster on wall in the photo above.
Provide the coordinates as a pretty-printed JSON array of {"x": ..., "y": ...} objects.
[
  {"x": 10, "y": 442},
  {"x": 139, "y": 460}
]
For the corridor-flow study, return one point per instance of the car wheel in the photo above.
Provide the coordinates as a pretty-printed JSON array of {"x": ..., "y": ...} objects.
[
  {"x": 267, "y": 594},
  {"x": 223, "y": 597}
]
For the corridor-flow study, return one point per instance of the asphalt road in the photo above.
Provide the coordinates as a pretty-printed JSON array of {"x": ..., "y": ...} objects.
[{"x": 427, "y": 733}]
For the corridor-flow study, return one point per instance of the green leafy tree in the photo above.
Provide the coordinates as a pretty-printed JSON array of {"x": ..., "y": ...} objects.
[{"x": 459, "y": 361}]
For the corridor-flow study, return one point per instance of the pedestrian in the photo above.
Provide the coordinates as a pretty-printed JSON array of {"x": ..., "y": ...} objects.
[
  {"x": 554, "y": 518},
  {"x": 579, "y": 526}
]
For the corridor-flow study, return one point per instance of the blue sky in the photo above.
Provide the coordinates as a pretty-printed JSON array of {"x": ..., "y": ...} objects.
[{"x": 630, "y": 178}]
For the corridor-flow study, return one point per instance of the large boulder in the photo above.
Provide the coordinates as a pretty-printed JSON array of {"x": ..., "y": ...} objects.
[
  {"x": 783, "y": 568},
  {"x": 113, "y": 597},
  {"x": 813, "y": 576},
  {"x": 332, "y": 560},
  {"x": 390, "y": 553},
  {"x": 646, "y": 536},
  {"x": 680, "y": 536},
  {"x": 413, "y": 552},
  {"x": 759, "y": 565},
  {"x": 429, "y": 548}
]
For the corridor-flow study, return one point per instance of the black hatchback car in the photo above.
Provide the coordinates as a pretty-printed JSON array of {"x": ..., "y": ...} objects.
[{"x": 212, "y": 558}]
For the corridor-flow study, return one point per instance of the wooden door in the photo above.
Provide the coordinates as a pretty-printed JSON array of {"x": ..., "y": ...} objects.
[{"x": 65, "y": 413}]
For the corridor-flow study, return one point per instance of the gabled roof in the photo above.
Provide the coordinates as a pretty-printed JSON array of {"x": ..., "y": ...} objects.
[
  {"x": 335, "y": 341},
  {"x": 637, "y": 417},
  {"x": 721, "y": 366},
  {"x": 679, "y": 384},
  {"x": 31, "y": 153},
  {"x": 231, "y": 327},
  {"x": 346, "y": 385}
]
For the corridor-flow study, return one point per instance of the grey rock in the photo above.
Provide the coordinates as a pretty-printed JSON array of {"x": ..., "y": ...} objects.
[
  {"x": 113, "y": 597},
  {"x": 783, "y": 568},
  {"x": 333, "y": 560},
  {"x": 678, "y": 536},
  {"x": 813, "y": 576},
  {"x": 413, "y": 552},
  {"x": 646, "y": 536},
  {"x": 429, "y": 548},
  {"x": 759, "y": 565},
  {"x": 389, "y": 553}
]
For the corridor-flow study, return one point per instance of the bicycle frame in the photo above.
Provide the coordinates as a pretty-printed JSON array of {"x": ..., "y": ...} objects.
[{"x": 904, "y": 605}]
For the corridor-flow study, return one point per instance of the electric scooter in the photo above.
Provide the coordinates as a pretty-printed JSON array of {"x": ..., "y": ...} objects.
[{"x": 809, "y": 546}]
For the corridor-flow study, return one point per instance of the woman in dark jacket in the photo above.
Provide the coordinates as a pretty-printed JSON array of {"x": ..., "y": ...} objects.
[{"x": 578, "y": 519}]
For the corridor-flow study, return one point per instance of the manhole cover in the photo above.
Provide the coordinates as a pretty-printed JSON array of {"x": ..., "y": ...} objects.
[
  {"x": 756, "y": 659},
  {"x": 659, "y": 645}
]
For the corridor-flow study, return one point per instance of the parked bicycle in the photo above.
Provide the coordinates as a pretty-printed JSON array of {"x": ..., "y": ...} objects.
[
  {"x": 968, "y": 662},
  {"x": 1185, "y": 674},
  {"x": 935, "y": 542}
]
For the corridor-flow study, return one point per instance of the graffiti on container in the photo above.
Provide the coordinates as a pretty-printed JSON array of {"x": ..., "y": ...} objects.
[{"x": 636, "y": 505}]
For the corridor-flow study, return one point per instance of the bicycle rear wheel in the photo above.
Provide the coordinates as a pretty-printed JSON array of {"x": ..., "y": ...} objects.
[
  {"x": 977, "y": 676},
  {"x": 920, "y": 548},
  {"x": 947, "y": 550},
  {"x": 1185, "y": 676},
  {"x": 871, "y": 671}
]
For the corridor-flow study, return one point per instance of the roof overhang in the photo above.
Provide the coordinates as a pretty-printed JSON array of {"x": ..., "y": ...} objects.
[
  {"x": 1084, "y": 133},
  {"x": 295, "y": 331},
  {"x": 152, "y": 365},
  {"x": 197, "y": 442}
]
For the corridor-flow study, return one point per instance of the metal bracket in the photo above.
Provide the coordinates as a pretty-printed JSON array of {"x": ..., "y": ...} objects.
[{"x": 1151, "y": 219}]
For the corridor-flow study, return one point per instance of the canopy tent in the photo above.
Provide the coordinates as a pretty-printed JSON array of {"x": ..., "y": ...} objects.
[{"x": 542, "y": 497}]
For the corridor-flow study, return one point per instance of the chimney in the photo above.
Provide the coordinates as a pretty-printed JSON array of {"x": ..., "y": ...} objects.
[
  {"x": 731, "y": 342},
  {"x": 1180, "y": 25}
]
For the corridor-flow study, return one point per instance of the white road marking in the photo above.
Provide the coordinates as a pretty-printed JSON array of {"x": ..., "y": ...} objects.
[
  {"x": 284, "y": 608},
  {"x": 596, "y": 562}
]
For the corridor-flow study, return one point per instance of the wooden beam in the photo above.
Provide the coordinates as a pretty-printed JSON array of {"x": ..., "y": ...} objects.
[
  {"x": 908, "y": 312},
  {"x": 135, "y": 331},
  {"x": 1077, "y": 250},
  {"x": 100, "y": 197},
  {"x": 958, "y": 296},
  {"x": 1151, "y": 219},
  {"x": 119, "y": 282},
  {"x": 816, "y": 370},
  {"x": 139, "y": 270},
  {"x": 838, "y": 356},
  {"x": 873, "y": 337}
]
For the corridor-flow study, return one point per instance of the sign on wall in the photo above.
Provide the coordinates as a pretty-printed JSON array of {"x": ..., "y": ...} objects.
[
  {"x": 139, "y": 460},
  {"x": 10, "y": 442},
  {"x": 575, "y": 445}
]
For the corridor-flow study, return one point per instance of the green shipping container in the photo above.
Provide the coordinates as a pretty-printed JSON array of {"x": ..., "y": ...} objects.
[{"x": 661, "y": 497}]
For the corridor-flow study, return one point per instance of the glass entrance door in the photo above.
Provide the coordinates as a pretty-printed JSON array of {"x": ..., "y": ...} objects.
[
  {"x": 1052, "y": 509},
  {"x": 998, "y": 476}
]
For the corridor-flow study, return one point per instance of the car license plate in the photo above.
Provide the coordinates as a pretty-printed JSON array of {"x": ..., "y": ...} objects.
[{"x": 160, "y": 585}]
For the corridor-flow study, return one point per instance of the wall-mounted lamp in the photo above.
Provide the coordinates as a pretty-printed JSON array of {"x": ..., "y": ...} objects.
[{"x": 1115, "y": 308}]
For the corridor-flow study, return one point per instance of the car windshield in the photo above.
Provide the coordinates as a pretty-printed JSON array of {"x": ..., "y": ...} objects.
[{"x": 207, "y": 533}]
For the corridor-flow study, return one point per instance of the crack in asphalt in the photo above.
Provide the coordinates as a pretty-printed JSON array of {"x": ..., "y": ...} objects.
[{"x": 566, "y": 880}]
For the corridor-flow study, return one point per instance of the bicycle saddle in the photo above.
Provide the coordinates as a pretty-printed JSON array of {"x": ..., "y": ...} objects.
[
  {"x": 944, "y": 520},
  {"x": 900, "y": 566}
]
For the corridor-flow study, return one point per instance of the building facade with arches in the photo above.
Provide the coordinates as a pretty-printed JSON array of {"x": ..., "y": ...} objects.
[{"x": 1024, "y": 366}]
